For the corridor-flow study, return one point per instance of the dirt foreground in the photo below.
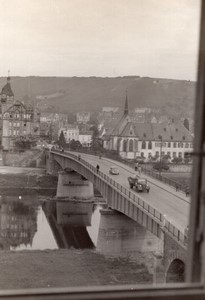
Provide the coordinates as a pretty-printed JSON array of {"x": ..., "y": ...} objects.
[{"x": 67, "y": 268}]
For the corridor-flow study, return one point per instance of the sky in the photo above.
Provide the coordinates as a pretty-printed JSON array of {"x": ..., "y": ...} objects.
[{"x": 106, "y": 38}]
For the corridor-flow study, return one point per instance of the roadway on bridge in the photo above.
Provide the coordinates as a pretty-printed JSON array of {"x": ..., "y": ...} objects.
[{"x": 161, "y": 197}]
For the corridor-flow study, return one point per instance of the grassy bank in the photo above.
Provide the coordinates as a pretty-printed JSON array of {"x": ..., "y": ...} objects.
[{"x": 67, "y": 268}]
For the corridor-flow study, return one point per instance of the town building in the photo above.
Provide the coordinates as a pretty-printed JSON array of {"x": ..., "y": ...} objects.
[
  {"x": 109, "y": 111},
  {"x": 85, "y": 138},
  {"x": 71, "y": 132},
  {"x": 83, "y": 117},
  {"x": 17, "y": 119},
  {"x": 132, "y": 139}
]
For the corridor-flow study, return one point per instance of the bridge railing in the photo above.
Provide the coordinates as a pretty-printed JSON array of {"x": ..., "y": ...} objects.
[
  {"x": 166, "y": 180},
  {"x": 166, "y": 225},
  {"x": 151, "y": 173}
]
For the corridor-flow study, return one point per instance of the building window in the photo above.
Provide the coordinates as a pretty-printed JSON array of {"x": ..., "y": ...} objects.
[
  {"x": 150, "y": 145},
  {"x": 143, "y": 145},
  {"x": 124, "y": 145},
  {"x": 131, "y": 146},
  {"x": 180, "y": 154},
  {"x": 142, "y": 154},
  {"x": 187, "y": 145},
  {"x": 169, "y": 145},
  {"x": 174, "y": 145},
  {"x": 136, "y": 145}
]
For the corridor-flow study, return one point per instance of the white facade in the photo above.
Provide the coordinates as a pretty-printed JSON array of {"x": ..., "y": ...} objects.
[
  {"x": 71, "y": 132},
  {"x": 131, "y": 148},
  {"x": 85, "y": 139}
]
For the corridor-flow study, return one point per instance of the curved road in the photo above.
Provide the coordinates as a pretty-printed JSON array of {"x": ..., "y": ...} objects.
[{"x": 174, "y": 205}]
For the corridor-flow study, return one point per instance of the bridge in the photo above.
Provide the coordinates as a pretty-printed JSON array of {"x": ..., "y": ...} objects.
[{"x": 163, "y": 212}]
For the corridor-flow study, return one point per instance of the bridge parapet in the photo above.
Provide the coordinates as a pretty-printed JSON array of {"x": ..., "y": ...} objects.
[{"x": 150, "y": 211}]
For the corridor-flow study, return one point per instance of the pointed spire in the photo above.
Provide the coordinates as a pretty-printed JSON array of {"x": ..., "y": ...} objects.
[
  {"x": 8, "y": 78},
  {"x": 126, "y": 111}
]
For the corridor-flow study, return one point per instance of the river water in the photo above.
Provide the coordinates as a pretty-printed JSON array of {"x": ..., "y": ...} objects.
[{"x": 28, "y": 223}]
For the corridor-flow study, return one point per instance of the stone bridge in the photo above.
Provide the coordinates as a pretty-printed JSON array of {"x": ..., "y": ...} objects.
[{"x": 170, "y": 243}]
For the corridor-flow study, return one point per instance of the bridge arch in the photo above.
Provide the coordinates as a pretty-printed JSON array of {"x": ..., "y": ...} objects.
[{"x": 176, "y": 271}]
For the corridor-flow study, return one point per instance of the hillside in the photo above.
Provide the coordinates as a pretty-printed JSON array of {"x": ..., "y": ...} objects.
[{"x": 92, "y": 93}]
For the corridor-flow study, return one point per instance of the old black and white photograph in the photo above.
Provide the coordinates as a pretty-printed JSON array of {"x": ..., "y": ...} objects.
[{"x": 102, "y": 142}]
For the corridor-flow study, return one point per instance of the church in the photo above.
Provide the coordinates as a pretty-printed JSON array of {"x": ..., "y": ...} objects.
[
  {"x": 17, "y": 119},
  {"x": 131, "y": 139}
]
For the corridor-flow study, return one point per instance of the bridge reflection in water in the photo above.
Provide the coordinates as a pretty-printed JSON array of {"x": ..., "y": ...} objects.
[
  {"x": 68, "y": 221},
  {"x": 27, "y": 224}
]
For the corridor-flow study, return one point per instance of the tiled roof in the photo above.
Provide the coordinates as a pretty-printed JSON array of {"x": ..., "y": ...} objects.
[{"x": 153, "y": 132}]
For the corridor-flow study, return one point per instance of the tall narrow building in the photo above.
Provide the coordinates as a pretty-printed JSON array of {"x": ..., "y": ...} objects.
[{"x": 17, "y": 119}]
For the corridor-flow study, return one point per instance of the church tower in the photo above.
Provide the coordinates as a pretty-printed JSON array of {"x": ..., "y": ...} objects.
[
  {"x": 126, "y": 110},
  {"x": 7, "y": 95}
]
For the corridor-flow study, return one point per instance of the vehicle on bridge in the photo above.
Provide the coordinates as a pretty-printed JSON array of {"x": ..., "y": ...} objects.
[
  {"x": 114, "y": 171},
  {"x": 140, "y": 184}
]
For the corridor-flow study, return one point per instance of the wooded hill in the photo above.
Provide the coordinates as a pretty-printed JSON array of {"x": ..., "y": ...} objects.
[{"x": 63, "y": 94}]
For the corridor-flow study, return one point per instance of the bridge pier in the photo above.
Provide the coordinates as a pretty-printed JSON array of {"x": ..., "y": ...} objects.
[
  {"x": 52, "y": 167},
  {"x": 73, "y": 186},
  {"x": 121, "y": 236}
]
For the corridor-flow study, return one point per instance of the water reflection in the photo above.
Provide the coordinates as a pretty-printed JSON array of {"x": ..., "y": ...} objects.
[
  {"x": 18, "y": 222},
  {"x": 27, "y": 223},
  {"x": 68, "y": 222}
]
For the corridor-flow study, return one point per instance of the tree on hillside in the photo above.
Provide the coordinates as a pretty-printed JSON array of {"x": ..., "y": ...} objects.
[
  {"x": 62, "y": 141},
  {"x": 186, "y": 123}
]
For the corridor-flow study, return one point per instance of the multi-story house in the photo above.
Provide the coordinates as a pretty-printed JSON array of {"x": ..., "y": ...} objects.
[
  {"x": 83, "y": 117},
  {"x": 85, "y": 138},
  {"x": 71, "y": 132},
  {"x": 17, "y": 119}
]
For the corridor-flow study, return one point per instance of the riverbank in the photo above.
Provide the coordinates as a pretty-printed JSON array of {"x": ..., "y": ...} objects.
[
  {"x": 26, "y": 178},
  {"x": 67, "y": 268}
]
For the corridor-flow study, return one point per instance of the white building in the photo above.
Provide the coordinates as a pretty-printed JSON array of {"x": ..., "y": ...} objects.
[
  {"x": 85, "y": 138},
  {"x": 71, "y": 132},
  {"x": 131, "y": 139}
]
